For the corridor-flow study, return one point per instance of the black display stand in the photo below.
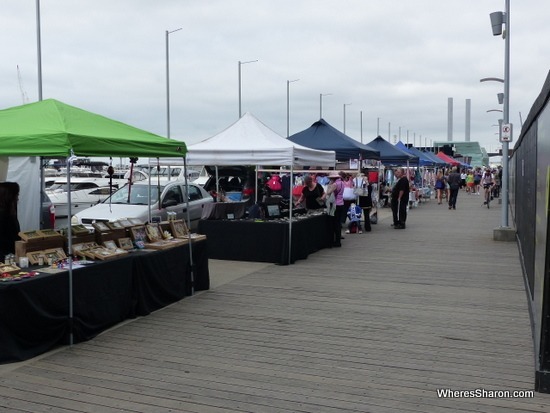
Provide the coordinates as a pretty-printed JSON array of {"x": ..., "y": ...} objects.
[
  {"x": 266, "y": 241},
  {"x": 34, "y": 312}
]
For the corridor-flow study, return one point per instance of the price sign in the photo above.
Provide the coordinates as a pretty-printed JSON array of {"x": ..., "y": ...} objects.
[{"x": 506, "y": 132}]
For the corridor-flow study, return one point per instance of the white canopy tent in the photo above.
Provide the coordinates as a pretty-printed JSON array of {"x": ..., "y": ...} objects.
[{"x": 248, "y": 141}]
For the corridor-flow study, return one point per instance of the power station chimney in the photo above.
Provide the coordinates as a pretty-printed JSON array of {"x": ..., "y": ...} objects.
[
  {"x": 450, "y": 119},
  {"x": 468, "y": 117}
]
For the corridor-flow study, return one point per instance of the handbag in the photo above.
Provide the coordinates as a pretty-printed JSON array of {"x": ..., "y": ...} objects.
[
  {"x": 359, "y": 189},
  {"x": 348, "y": 194},
  {"x": 331, "y": 204}
]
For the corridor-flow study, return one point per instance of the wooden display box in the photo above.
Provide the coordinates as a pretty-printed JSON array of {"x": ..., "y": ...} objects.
[
  {"x": 101, "y": 237},
  {"x": 23, "y": 247},
  {"x": 79, "y": 239},
  {"x": 10, "y": 269}
]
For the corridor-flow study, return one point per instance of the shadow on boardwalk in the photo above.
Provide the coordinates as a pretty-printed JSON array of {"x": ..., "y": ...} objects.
[{"x": 376, "y": 326}]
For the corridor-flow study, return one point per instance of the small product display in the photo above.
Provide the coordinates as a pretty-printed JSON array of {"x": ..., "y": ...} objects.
[
  {"x": 111, "y": 245},
  {"x": 30, "y": 235},
  {"x": 179, "y": 229},
  {"x": 125, "y": 223},
  {"x": 79, "y": 229},
  {"x": 49, "y": 233},
  {"x": 16, "y": 276},
  {"x": 125, "y": 243},
  {"x": 101, "y": 226},
  {"x": 138, "y": 233},
  {"x": 115, "y": 225},
  {"x": 154, "y": 233}
]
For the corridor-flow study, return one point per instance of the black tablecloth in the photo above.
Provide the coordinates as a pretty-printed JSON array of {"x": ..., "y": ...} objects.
[
  {"x": 219, "y": 210},
  {"x": 265, "y": 241},
  {"x": 34, "y": 312}
]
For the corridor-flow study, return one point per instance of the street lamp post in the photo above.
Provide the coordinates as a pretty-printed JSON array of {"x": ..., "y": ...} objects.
[
  {"x": 321, "y": 103},
  {"x": 361, "y": 124},
  {"x": 345, "y": 104},
  {"x": 168, "y": 82},
  {"x": 498, "y": 19},
  {"x": 240, "y": 84},
  {"x": 288, "y": 82}
]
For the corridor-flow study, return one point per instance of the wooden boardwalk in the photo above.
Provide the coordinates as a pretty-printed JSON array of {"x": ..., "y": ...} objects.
[{"x": 376, "y": 326}]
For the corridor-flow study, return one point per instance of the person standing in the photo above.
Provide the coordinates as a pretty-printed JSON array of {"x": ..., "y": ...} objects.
[
  {"x": 400, "y": 199},
  {"x": 9, "y": 224},
  {"x": 439, "y": 187},
  {"x": 313, "y": 194},
  {"x": 454, "y": 181},
  {"x": 336, "y": 188}
]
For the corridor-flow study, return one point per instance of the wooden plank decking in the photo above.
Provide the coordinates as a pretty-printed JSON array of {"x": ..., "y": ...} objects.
[{"x": 376, "y": 326}]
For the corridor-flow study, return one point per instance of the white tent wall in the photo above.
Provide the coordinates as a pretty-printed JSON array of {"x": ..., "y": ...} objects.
[{"x": 26, "y": 172}]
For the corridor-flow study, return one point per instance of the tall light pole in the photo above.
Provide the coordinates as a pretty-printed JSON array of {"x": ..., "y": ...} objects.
[
  {"x": 361, "y": 124},
  {"x": 288, "y": 82},
  {"x": 240, "y": 84},
  {"x": 39, "y": 50},
  {"x": 168, "y": 81},
  {"x": 499, "y": 19},
  {"x": 321, "y": 103},
  {"x": 345, "y": 104}
]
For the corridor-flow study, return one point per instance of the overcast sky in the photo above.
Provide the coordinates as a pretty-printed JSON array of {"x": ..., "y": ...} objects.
[{"x": 397, "y": 60}]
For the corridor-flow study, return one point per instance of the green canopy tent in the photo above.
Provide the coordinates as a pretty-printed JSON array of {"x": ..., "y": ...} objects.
[{"x": 50, "y": 128}]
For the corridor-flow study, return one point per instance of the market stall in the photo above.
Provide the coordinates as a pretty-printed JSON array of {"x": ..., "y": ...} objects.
[
  {"x": 54, "y": 129},
  {"x": 249, "y": 142},
  {"x": 266, "y": 241}
]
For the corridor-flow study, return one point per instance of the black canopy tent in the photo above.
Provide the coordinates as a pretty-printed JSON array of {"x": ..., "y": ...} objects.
[
  {"x": 390, "y": 155},
  {"x": 321, "y": 135}
]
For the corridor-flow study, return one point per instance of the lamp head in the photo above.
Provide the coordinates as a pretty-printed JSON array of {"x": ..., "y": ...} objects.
[
  {"x": 497, "y": 20},
  {"x": 500, "y": 97}
]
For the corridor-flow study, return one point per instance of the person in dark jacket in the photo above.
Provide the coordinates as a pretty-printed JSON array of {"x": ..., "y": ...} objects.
[
  {"x": 400, "y": 199},
  {"x": 9, "y": 224},
  {"x": 454, "y": 182}
]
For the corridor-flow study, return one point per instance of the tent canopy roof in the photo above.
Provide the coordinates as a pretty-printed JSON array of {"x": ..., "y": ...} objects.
[
  {"x": 423, "y": 159},
  {"x": 448, "y": 159},
  {"x": 249, "y": 142},
  {"x": 53, "y": 129},
  {"x": 321, "y": 135},
  {"x": 389, "y": 154}
]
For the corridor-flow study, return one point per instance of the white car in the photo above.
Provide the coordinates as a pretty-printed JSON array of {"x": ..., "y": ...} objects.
[{"x": 132, "y": 201}]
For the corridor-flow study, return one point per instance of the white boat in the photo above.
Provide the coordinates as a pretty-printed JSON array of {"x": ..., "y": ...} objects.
[{"x": 85, "y": 192}]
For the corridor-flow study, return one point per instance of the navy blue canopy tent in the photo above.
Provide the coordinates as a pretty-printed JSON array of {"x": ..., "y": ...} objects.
[
  {"x": 424, "y": 159},
  {"x": 390, "y": 155},
  {"x": 322, "y": 135},
  {"x": 437, "y": 161}
]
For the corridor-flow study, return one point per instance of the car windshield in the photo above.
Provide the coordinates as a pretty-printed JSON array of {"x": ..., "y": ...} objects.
[{"x": 138, "y": 195}]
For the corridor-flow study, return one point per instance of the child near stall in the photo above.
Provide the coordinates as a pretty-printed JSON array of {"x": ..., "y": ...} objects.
[{"x": 354, "y": 215}]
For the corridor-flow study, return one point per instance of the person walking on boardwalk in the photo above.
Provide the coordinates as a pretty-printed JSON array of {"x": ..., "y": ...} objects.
[
  {"x": 439, "y": 186},
  {"x": 400, "y": 199},
  {"x": 336, "y": 188},
  {"x": 454, "y": 181}
]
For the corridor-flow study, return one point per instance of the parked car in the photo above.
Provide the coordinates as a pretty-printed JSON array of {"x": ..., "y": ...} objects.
[
  {"x": 236, "y": 183},
  {"x": 132, "y": 201}
]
